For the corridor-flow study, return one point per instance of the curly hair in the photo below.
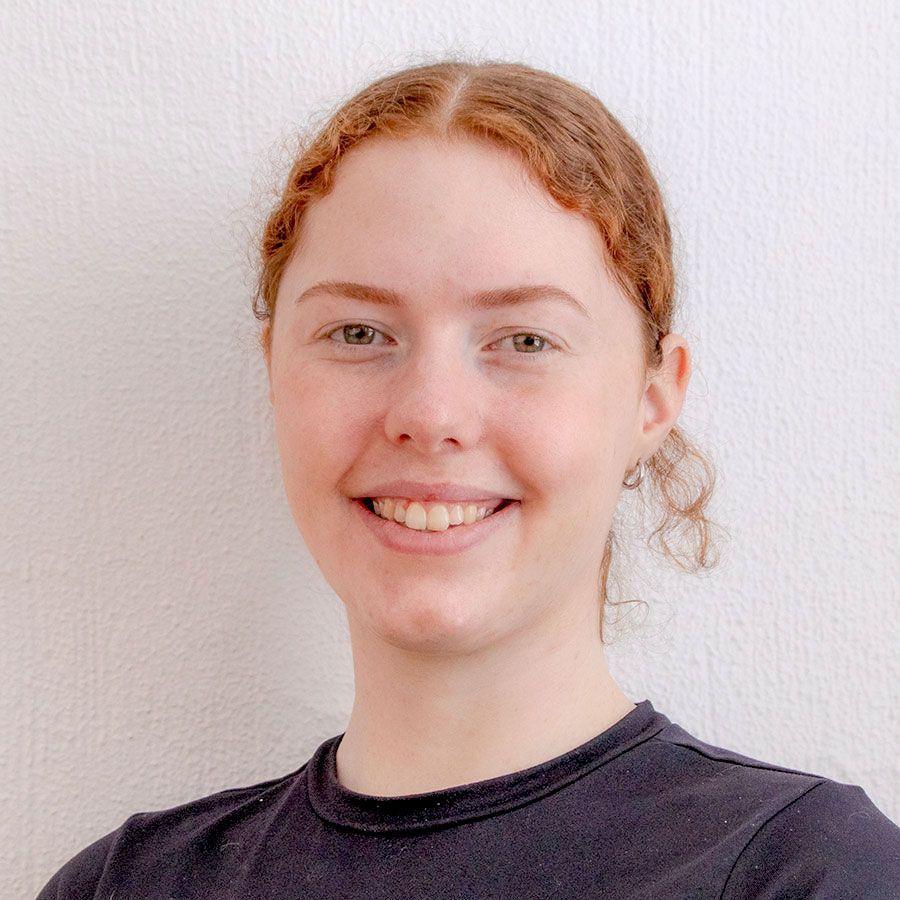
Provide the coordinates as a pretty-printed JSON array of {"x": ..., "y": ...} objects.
[{"x": 570, "y": 142}]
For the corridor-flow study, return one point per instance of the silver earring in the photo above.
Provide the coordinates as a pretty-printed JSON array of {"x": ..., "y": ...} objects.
[{"x": 639, "y": 468}]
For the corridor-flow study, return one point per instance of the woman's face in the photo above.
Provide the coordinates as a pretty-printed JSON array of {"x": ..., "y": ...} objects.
[{"x": 539, "y": 401}]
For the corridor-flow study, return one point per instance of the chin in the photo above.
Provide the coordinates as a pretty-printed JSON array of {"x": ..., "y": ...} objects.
[{"x": 424, "y": 620}]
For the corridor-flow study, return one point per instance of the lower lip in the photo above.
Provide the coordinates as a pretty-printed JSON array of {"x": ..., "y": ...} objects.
[{"x": 435, "y": 543}]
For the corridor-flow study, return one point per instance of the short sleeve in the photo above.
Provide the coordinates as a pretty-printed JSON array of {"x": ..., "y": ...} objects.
[
  {"x": 831, "y": 842},
  {"x": 79, "y": 877}
]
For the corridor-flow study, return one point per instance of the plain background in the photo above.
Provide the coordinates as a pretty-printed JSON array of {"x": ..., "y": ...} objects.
[{"x": 165, "y": 633}]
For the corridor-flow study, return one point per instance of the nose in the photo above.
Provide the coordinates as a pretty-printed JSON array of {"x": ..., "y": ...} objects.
[{"x": 435, "y": 398}]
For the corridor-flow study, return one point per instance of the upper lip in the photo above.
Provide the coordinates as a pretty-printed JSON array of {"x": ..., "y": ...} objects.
[{"x": 444, "y": 491}]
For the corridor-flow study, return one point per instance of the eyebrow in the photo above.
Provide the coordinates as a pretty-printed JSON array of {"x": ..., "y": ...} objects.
[{"x": 489, "y": 299}]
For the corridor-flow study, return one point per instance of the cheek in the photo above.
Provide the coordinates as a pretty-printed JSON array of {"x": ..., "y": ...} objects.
[
  {"x": 565, "y": 440},
  {"x": 319, "y": 431},
  {"x": 567, "y": 449},
  {"x": 306, "y": 421}
]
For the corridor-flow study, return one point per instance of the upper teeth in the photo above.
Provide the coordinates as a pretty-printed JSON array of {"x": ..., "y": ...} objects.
[{"x": 429, "y": 516}]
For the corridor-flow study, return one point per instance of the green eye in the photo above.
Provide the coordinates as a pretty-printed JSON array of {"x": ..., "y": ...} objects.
[
  {"x": 531, "y": 347},
  {"x": 357, "y": 334}
]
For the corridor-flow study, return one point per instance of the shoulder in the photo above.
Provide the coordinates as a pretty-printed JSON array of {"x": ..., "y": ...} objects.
[
  {"x": 79, "y": 876},
  {"x": 796, "y": 833},
  {"x": 145, "y": 839},
  {"x": 832, "y": 841}
]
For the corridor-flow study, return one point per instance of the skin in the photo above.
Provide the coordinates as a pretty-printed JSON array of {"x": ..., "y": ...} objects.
[{"x": 478, "y": 664}]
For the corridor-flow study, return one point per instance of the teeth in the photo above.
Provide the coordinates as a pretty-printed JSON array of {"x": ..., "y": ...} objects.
[{"x": 429, "y": 516}]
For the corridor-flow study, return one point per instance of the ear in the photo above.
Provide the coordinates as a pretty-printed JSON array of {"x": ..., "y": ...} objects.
[{"x": 664, "y": 395}]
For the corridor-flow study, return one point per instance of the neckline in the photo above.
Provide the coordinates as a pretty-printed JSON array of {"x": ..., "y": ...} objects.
[{"x": 415, "y": 812}]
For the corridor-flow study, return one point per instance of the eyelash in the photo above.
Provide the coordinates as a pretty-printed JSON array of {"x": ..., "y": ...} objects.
[{"x": 552, "y": 346}]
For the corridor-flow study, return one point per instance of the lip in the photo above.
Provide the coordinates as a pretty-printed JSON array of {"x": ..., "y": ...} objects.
[
  {"x": 434, "y": 543},
  {"x": 445, "y": 491}
]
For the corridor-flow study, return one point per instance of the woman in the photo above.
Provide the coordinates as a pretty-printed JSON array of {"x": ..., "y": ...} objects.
[{"x": 466, "y": 298}]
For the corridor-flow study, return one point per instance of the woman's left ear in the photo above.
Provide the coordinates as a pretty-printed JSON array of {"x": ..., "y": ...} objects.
[{"x": 664, "y": 395}]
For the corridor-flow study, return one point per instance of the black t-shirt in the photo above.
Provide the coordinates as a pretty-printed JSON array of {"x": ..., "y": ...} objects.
[{"x": 642, "y": 810}]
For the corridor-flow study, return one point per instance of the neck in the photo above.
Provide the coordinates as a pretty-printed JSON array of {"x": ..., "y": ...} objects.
[{"x": 424, "y": 723}]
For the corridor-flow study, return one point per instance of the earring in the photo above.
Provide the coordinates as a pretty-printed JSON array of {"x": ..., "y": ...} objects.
[{"x": 639, "y": 468}]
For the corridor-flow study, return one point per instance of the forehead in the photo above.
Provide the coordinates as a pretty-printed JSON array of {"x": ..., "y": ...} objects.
[{"x": 434, "y": 212}]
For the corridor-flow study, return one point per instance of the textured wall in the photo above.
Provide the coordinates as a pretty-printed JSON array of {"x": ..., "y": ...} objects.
[{"x": 165, "y": 633}]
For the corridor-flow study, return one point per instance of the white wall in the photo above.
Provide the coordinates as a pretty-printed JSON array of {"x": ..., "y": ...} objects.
[{"x": 164, "y": 632}]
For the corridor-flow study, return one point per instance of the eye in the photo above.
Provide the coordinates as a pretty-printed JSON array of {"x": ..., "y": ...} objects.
[
  {"x": 359, "y": 335},
  {"x": 356, "y": 334},
  {"x": 535, "y": 344}
]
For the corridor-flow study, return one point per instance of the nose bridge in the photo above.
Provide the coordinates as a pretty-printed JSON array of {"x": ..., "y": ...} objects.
[{"x": 435, "y": 396}]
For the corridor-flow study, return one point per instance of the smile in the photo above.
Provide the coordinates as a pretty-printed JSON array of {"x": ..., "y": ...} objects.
[
  {"x": 421, "y": 530},
  {"x": 431, "y": 516}
]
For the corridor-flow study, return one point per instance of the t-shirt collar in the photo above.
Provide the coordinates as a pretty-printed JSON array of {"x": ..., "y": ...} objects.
[{"x": 415, "y": 812}]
